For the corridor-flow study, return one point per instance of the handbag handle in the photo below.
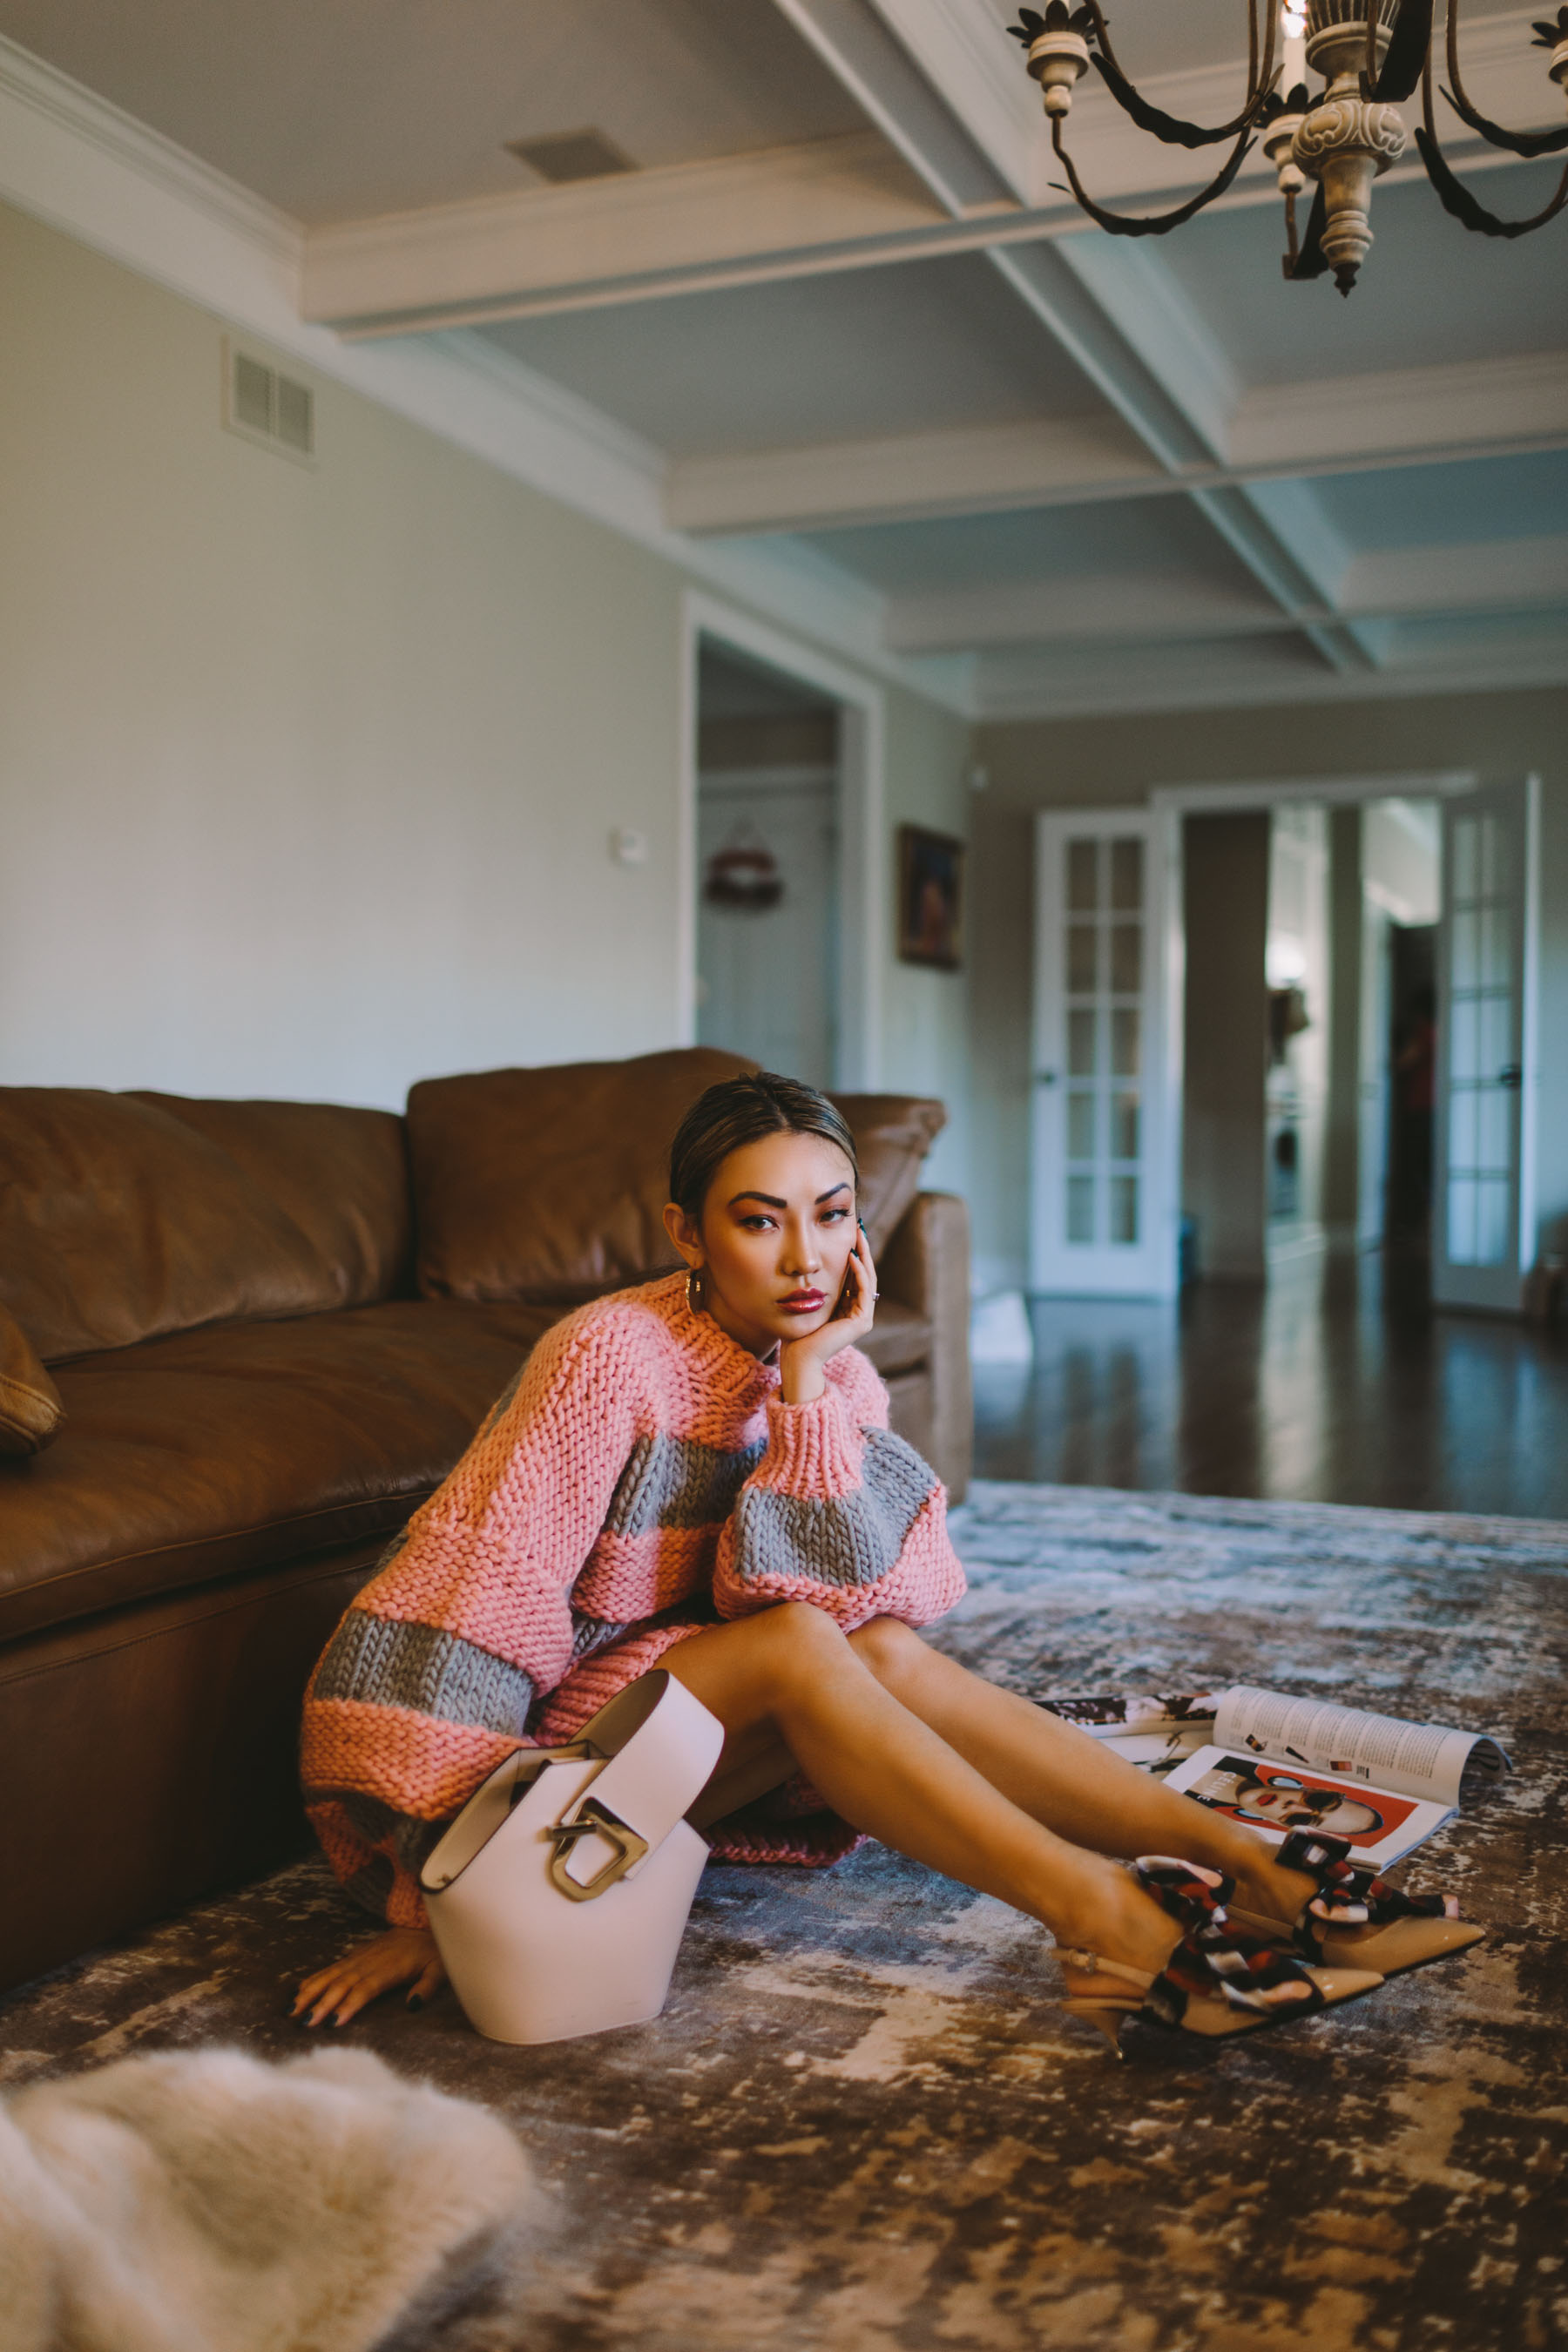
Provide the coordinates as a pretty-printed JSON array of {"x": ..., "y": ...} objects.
[{"x": 663, "y": 1745}]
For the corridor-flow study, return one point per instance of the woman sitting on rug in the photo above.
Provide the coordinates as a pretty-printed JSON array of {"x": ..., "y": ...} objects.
[{"x": 698, "y": 1472}]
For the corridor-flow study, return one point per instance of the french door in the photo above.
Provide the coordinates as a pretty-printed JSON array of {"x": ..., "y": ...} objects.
[
  {"x": 1483, "y": 1235},
  {"x": 1103, "y": 1210}
]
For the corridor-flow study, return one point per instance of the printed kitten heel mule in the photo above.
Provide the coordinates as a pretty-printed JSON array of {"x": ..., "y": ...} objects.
[
  {"x": 1216, "y": 1982},
  {"x": 1357, "y": 1920}
]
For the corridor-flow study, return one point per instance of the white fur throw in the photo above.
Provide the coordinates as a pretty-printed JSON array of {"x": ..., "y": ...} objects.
[{"x": 206, "y": 2203}]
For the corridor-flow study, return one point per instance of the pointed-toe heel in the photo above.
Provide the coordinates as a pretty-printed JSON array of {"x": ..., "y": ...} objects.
[
  {"x": 1216, "y": 1982},
  {"x": 1356, "y": 1920}
]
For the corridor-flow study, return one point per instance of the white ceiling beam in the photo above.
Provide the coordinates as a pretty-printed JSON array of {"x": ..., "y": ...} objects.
[
  {"x": 1079, "y": 608},
  {"x": 964, "y": 52},
  {"x": 1417, "y": 416},
  {"x": 1118, "y": 609},
  {"x": 419, "y": 277},
  {"x": 905, "y": 103},
  {"x": 1468, "y": 408},
  {"x": 1500, "y": 575},
  {"x": 1239, "y": 672},
  {"x": 905, "y": 478},
  {"x": 459, "y": 262}
]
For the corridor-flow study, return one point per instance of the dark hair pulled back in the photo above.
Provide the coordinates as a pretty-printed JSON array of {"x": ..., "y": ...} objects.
[{"x": 738, "y": 1111}]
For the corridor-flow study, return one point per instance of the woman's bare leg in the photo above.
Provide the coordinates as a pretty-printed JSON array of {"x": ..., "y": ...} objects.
[
  {"x": 1066, "y": 1779},
  {"x": 789, "y": 1674}
]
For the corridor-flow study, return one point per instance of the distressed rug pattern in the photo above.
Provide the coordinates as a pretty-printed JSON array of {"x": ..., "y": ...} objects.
[{"x": 863, "y": 2125}]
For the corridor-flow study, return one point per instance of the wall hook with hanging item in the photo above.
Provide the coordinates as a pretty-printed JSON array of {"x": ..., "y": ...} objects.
[{"x": 744, "y": 875}]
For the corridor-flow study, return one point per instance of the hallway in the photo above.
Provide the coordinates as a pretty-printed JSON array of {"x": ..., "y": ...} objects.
[{"x": 1334, "y": 1383}]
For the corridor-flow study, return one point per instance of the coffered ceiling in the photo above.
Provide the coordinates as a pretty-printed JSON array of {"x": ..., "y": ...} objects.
[{"x": 840, "y": 321}]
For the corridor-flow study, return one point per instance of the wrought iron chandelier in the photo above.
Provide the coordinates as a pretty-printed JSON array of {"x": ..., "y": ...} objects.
[{"x": 1371, "y": 57}]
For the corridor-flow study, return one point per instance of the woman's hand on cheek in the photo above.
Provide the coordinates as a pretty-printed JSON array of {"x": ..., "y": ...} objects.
[{"x": 801, "y": 1376}]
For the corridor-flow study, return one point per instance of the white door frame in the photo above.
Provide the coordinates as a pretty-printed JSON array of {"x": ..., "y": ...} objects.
[
  {"x": 862, "y": 740},
  {"x": 1176, "y": 801},
  {"x": 1148, "y": 1268}
]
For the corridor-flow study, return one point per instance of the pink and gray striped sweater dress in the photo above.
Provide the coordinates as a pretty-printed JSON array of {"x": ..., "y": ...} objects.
[{"x": 639, "y": 1481}]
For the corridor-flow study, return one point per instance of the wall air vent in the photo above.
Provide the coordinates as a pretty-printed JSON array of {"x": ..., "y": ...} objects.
[
  {"x": 570, "y": 155},
  {"x": 263, "y": 405}
]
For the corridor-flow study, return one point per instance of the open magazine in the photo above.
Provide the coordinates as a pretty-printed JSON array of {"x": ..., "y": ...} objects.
[{"x": 1282, "y": 1764}]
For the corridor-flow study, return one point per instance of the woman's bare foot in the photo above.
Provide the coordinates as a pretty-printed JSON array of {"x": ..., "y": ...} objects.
[
  {"x": 401, "y": 1956},
  {"x": 1113, "y": 1915}
]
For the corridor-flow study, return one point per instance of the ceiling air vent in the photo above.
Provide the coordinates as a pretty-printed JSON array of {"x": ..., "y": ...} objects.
[
  {"x": 570, "y": 155},
  {"x": 266, "y": 407}
]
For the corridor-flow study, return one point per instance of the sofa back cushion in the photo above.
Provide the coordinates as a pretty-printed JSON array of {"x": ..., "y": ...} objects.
[
  {"x": 550, "y": 1184},
  {"x": 124, "y": 1216}
]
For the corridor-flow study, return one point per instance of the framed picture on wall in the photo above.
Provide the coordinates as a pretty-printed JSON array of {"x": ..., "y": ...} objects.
[{"x": 931, "y": 897}]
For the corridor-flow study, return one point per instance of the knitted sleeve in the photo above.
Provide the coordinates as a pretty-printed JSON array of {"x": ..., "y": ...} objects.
[
  {"x": 841, "y": 1513},
  {"x": 426, "y": 1684}
]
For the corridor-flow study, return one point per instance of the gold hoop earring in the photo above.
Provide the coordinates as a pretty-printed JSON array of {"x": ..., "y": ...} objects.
[{"x": 696, "y": 1290}]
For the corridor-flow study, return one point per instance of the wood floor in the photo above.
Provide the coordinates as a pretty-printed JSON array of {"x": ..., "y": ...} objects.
[{"x": 1334, "y": 1383}]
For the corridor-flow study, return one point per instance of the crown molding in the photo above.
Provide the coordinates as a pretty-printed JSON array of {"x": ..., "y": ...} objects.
[
  {"x": 36, "y": 99},
  {"x": 83, "y": 166}
]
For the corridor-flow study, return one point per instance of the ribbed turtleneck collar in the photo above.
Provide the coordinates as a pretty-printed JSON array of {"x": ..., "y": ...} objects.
[{"x": 729, "y": 1367}]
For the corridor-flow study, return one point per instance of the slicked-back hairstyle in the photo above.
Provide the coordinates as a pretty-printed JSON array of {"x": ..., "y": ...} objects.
[{"x": 738, "y": 1111}]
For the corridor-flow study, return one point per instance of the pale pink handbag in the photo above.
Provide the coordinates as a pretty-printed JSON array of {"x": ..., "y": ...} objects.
[{"x": 559, "y": 1895}]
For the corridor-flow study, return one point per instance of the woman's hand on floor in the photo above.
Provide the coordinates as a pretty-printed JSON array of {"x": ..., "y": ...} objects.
[{"x": 401, "y": 1956}]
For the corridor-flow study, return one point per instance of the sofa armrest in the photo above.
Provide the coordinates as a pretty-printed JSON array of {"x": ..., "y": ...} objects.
[{"x": 926, "y": 1267}]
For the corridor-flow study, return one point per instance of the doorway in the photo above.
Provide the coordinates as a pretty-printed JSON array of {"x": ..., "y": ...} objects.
[
  {"x": 768, "y": 834},
  {"x": 1331, "y": 1149},
  {"x": 787, "y": 749}
]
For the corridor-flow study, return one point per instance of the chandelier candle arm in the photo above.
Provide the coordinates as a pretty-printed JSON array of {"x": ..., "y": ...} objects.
[
  {"x": 1452, "y": 194},
  {"x": 1548, "y": 36},
  {"x": 1152, "y": 224},
  {"x": 1371, "y": 55}
]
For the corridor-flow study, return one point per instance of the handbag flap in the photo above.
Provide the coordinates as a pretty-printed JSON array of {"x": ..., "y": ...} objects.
[{"x": 537, "y": 1783}]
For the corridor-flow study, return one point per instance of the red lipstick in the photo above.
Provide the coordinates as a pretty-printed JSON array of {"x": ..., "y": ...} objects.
[{"x": 803, "y": 1302}]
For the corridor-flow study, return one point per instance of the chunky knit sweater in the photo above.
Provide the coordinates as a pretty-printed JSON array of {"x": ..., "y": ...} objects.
[{"x": 639, "y": 1481}]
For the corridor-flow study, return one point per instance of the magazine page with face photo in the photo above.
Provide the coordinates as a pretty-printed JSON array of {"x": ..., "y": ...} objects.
[{"x": 1379, "y": 1825}]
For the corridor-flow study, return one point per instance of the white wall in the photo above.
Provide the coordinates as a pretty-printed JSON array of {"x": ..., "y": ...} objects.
[{"x": 307, "y": 775}]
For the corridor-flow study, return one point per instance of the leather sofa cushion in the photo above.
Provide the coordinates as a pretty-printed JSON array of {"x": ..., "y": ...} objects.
[
  {"x": 550, "y": 1184},
  {"x": 213, "y": 1451},
  {"x": 339, "y": 1172},
  {"x": 30, "y": 1407},
  {"x": 893, "y": 1136},
  {"x": 125, "y": 1217}
]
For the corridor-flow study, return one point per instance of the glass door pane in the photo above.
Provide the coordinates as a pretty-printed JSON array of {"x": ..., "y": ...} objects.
[
  {"x": 1095, "y": 1132},
  {"x": 1481, "y": 1236}
]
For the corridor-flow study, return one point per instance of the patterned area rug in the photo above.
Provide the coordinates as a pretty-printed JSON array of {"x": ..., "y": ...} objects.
[{"x": 863, "y": 2123}]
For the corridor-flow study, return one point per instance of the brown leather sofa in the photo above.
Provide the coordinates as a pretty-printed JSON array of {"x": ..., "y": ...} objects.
[{"x": 239, "y": 1342}]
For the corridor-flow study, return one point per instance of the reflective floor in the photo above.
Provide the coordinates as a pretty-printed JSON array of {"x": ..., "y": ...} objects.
[{"x": 1335, "y": 1384}]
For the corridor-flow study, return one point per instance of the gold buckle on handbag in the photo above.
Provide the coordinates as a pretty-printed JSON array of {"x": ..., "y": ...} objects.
[{"x": 592, "y": 1815}]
